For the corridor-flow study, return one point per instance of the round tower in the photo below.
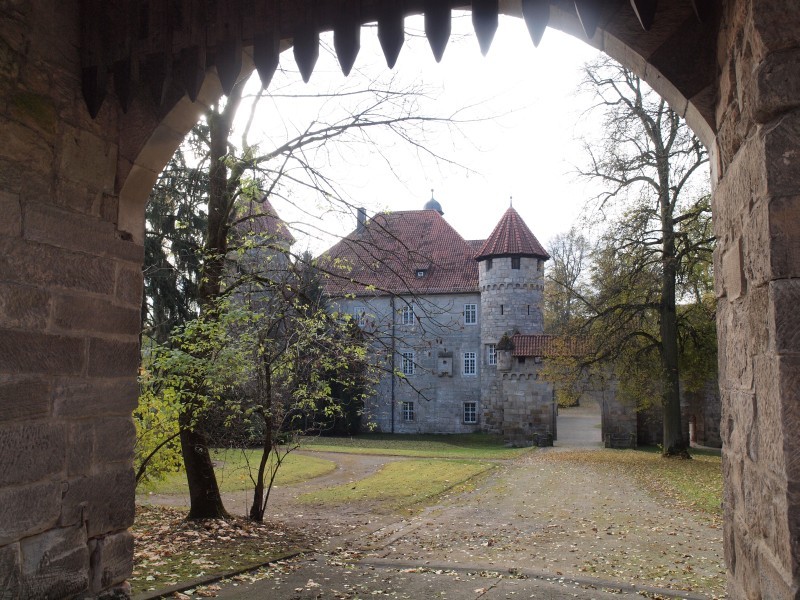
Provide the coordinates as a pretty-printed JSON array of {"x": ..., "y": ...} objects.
[{"x": 511, "y": 280}]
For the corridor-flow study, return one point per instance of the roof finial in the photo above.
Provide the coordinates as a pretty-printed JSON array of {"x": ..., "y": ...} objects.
[
  {"x": 431, "y": 193},
  {"x": 511, "y": 202}
]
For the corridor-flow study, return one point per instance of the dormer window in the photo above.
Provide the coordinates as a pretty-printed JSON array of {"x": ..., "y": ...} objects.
[{"x": 422, "y": 272}]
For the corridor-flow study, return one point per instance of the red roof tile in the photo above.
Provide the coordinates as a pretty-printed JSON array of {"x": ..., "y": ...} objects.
[
  {"x": 386, "y": 254},
  {"x": 511, "y": 237},
  {"x": 547, "y": 345}
]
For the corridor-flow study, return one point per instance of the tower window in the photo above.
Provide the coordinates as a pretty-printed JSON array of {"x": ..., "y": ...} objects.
[
  {"x": 529, "y": 309},
  {"x": 489, "y": 264},
  {"x": 501, "y": 309},
  {"x": 515, "y": 262}
]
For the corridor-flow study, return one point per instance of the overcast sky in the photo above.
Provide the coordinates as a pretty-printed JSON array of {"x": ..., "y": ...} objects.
[{"x": 526, "y": 146}]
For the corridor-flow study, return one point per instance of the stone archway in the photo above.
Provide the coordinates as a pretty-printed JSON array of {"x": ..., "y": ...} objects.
[{"x": 72, "y": 189}]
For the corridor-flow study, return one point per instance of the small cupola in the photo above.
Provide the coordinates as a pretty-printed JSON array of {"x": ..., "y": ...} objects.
[{"x": 433, "y": 204}]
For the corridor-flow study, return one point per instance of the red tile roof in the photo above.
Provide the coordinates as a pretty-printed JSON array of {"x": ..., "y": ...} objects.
[
  {"x": 547, "y": 345},
  {"x": 511, "y": 237},
  {"x": 386, "y": 254}
]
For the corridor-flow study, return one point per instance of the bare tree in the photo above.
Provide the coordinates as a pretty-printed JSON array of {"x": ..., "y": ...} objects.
[{"x": 655, "y": 195}]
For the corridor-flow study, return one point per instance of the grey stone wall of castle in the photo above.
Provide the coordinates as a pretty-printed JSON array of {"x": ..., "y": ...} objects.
[{"x": 511, "y": 298}]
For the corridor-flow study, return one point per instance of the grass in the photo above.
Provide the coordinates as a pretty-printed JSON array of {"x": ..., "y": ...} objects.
[
  {"x": 402, "y": 484},
  {"x": 231, "y": 467},
  {"x": 478, "y": 446},
  {"x": 694, "y": 484}
]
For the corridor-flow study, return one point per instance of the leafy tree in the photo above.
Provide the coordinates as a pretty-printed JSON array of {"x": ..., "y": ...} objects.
[
  {"x": 565, "y": 283},
  {"x": 652, "y": 251},
  {"x": 236, "y": 175}
]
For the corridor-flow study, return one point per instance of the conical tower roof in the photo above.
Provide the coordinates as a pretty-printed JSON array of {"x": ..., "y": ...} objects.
[{"x": 511, "y": 237}]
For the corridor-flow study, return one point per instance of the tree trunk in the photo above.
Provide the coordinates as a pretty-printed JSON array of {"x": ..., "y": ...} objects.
[
  {"x": 673, "y": 440},
  {"x": 258, "y": 507},
  {"x": 204, "y": 496}
]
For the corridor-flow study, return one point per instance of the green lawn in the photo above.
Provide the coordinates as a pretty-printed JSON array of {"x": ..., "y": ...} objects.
[
  {"x": 402, "y": 484},
  {"x": 478, "y": 446},
  {"x": 233, "y": 472}
]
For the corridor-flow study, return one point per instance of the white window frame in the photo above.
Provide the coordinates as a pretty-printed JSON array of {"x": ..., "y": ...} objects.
[
  {"x": 407, "y": 409},
  {"x": 470, "y": 314},
  {"x": 407, "y": 314},
  {"x": 407, "y": 365},
  {"x": 359, "y": 314},
  {"x": 470, "y": 412},
  {"x": 491, "y": 354},
  {"x": 470, "y": 364}
]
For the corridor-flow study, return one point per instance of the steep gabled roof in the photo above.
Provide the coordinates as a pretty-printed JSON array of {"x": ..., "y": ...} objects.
[
  {"x": 385, "y": 255},
  {"x": 261, "y": 218},
  {"x": 511, "y": 237}
]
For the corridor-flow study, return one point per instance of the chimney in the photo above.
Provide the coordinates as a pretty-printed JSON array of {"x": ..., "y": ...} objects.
[{"x": 361, "y": 219}]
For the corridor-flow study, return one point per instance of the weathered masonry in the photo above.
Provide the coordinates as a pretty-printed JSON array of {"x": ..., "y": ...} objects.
[{"x": 96, "y": 94}]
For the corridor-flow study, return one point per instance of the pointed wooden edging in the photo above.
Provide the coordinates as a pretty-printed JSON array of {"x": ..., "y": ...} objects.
[
  {"x": 437, "y": 26},
  {"x": 123, "y": 83},
  {"x": 306, "y": 50},
  {"x": 589, "y": 15},
  {"x": 228, "y": 61},
  {"x": 536, "y": 14},
  {"x": 391, "y": 31},
  {"x": 645, "y": 11},
  {"x": 93, "y": 86},
  {"x": 485, "y": 18},
  {"x": 266, "y": 55},
  {"x": 193, "y": 70},
  {"x": 347, "y": 42}
]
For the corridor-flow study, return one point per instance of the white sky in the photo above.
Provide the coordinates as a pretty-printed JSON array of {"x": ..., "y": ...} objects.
[{"x": 528, "y": 150}]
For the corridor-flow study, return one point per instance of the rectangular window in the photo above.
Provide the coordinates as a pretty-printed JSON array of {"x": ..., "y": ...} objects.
[
  {"x": 470, "y": 412},
  {"x": 515, "y": 262},
  {"x": 408, "y": 411},
  {"x": 501, "y": 309},
  {"x": 470, "y": 366},
  {"x": 407, "y": 314},
  {"x": 470, "y": 314},
  {"x": 491, "y": 354},
  {"x": 360, "y": 316},
  {"x": 488, "y": 264},
  {"x": 408, "y": 363}
]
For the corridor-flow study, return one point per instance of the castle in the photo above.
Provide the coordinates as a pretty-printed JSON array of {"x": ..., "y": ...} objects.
[{"x": 438, "y": 307}]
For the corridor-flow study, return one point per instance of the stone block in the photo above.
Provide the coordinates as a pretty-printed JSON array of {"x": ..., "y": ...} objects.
[
  {"x": 789, "y": 398},
  {"x": 109, "y": 397},
  {"x": 28, "y": 510},
  {"x": 129, "y": 286},
  {"x": 114, "y": 440},
  {"x": 95, "y": 315},
  {"x": 733, "y": 275},
  {"x": 27, "y": 146},
  {"x": 80, "y": 449},
  {"x": 55, "y": 564},
  {"x": 40, "y": 265},
  {"x": 783, "y": 321},
  {"x": 103, "y": 500},
  {"x": 11, "y": 223},
  {"x": 35, "y": 111},
  {"x": 112, "y": 358},
  {"x": 10, "y": 576},
  {"x": 31, "y": 452},
  {"x": 33, "y": 352},
  {"x": 111, "y": 560},
  {"x": 782, "y": 155},
  {"x": 78, "y": 148},
  {"x": 784, "y": 231},
  {"x": 23, "y": 398},
  {"x": 23, "y": 306},
  {"x": 778, "y": 84},
  {"x": 75, "y": 231}
]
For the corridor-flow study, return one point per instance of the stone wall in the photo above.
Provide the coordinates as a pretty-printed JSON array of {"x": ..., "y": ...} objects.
[
  {"x": 70, "y": 296},
  {"x": 756, "y": 207}
]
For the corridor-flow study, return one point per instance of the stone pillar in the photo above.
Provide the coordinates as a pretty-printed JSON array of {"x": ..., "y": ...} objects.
[
  {"x": 70, "y": 297},
  {"x": 757, "y": 263}
]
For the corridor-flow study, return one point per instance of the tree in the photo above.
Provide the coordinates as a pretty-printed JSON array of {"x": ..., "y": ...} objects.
[
  {"x": 651, "y": 160},
  {"x": 566, "y": 281},
  {"x": 246, "y": 174}
]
